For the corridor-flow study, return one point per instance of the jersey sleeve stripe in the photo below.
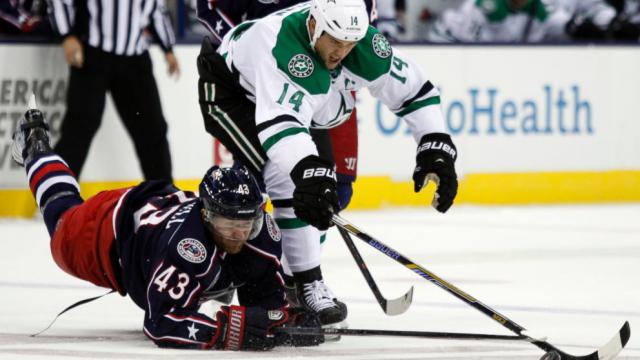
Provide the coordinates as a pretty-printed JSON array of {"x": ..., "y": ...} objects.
[
  {"x": 155, "y": 272},
  {"x": 428, "y": 86},
  {"x": 236, "y": 135},
  {"x": 174, "y": 339},
  {"x": 211, "y": 262},
  {"x": 419, "y": 104},
  {"x": 263, "y": 254},
  {"x": 273, "y": 139},
  {"x": 194, "y": 319},
  {"x": 290, "y": 223},
  {"x": 190, "y": 299},
  {"x": 226, "y": 19},
  {"x": 277, "y": 120},
  {"x": 116, "y": 212}
]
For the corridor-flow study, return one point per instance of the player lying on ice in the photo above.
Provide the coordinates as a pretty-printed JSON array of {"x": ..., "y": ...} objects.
[{"x": 169, "y": 250}]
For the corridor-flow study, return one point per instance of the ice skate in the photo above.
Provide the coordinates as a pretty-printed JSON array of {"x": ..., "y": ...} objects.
[
  {"x": 31, "y": 136},
  {"x": 314, "y": 295}
]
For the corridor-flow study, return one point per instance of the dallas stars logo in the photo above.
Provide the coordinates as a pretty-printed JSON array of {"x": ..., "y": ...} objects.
[
  {"x": 381, "y": 46},
  {"x": 300, "y": 66}
]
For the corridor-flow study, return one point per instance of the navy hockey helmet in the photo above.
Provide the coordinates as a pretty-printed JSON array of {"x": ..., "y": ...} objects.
[{"x": 231, "y": 193}]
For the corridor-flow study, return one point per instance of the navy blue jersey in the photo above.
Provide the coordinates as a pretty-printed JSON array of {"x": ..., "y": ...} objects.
[
  {"x": 219, "y": 16},
  {"x": 170, "y": 264}
]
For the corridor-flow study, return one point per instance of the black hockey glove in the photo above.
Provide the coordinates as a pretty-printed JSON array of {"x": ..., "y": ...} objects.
[
  {"x": 252, "y": 328},
  {"x": 299, "y": 317},
  {"x": 435, "y": 160},
  {"x": 248, "y": 328},
  {"x": 315, "y": 197}
]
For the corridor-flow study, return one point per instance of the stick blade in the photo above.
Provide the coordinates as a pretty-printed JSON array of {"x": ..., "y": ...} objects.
[
  {"x": 399, "y": 305},
  {"x": 608, "y": 351},
  {"x": 611, "y": 349}
]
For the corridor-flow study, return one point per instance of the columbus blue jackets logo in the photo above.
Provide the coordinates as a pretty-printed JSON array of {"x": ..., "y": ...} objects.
[
  {"x": 381, "y": 46},
  {"x": 192, "y": 250},
  {"x": 273, "y": 229},
  {"x": 301, "y": 66}
]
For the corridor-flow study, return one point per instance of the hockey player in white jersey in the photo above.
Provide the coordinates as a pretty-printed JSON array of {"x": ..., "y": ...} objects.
[{"x": 274, "y": 78}]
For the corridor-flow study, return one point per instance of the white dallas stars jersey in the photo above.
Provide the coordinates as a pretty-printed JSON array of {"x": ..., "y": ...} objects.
[{"x": 293, "y": 90}]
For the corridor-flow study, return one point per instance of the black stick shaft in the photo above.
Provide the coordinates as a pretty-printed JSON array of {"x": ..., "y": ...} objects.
[
  {"x": 443, "y": 284},
  {"x": 363, "y": 269},
  {"x": 607, "y": 352},
  {"x": 399, "y": 333}
]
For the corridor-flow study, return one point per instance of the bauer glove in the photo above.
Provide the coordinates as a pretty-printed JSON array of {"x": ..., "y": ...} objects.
[
  {"x": 435, "y": 160},
  {"x": 315, "y": 197}
]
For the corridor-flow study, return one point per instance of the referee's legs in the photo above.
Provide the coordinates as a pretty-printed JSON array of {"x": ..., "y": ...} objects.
[
  {"x": 85, "y": 105},
  {"x": 136, "y": 98}
]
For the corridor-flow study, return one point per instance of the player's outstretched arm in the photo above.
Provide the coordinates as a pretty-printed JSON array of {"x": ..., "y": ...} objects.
[{"x": 410, "y": 95}]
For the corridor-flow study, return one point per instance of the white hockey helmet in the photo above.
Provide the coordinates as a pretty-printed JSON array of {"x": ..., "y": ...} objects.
[{"x": 343, "y": 19}]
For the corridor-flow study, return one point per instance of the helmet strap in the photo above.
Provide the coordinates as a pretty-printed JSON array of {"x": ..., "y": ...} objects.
[
  {"x": 316, "y": 32},
  {"x": 208, "y": 215}
]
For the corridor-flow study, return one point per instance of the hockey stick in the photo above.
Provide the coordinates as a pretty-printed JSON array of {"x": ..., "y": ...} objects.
[
  {"x": 399, "y": 333},
  {"x": 609, "y": 351},
  {"x": 390, "y": 307}
]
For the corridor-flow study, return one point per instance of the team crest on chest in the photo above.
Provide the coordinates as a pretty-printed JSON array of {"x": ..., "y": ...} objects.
[
  {"x": 381, "y": 46},
  {"x": 301, "y": 66},
  {"x": 192, "y": 250},
  {"x": 273, "y": 229}
]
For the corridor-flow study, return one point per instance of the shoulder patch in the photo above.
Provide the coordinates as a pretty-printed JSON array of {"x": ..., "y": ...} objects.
[
  {"x": 371, "y": 57},
  {"x": 381, "y": 46},
  {"x": 273, "y": 229},
  {"x": 301, "y": 66},
  {"x": 192, "y": 250},
  {"x": 295, "y": 58}
]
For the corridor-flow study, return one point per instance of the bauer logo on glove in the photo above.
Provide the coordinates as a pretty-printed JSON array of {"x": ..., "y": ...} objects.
[
  {"x": 435, "y": 158},
  {"x": 315, "y": 197},
  {"x": 438, "y": 145},
  {"x": 319, "y": 172}
]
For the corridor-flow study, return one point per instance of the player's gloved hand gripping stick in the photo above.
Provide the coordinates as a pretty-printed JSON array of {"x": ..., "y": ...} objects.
[
  {"x": 252, "y": 328},
  {"x": 315, "y": 197}
]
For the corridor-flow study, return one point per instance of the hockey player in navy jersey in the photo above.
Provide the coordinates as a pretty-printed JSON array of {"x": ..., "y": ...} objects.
[{"x": 169, "y": 250}]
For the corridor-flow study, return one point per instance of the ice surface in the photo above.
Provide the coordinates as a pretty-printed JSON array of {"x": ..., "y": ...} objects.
[{"x": 566, "y": 272}]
